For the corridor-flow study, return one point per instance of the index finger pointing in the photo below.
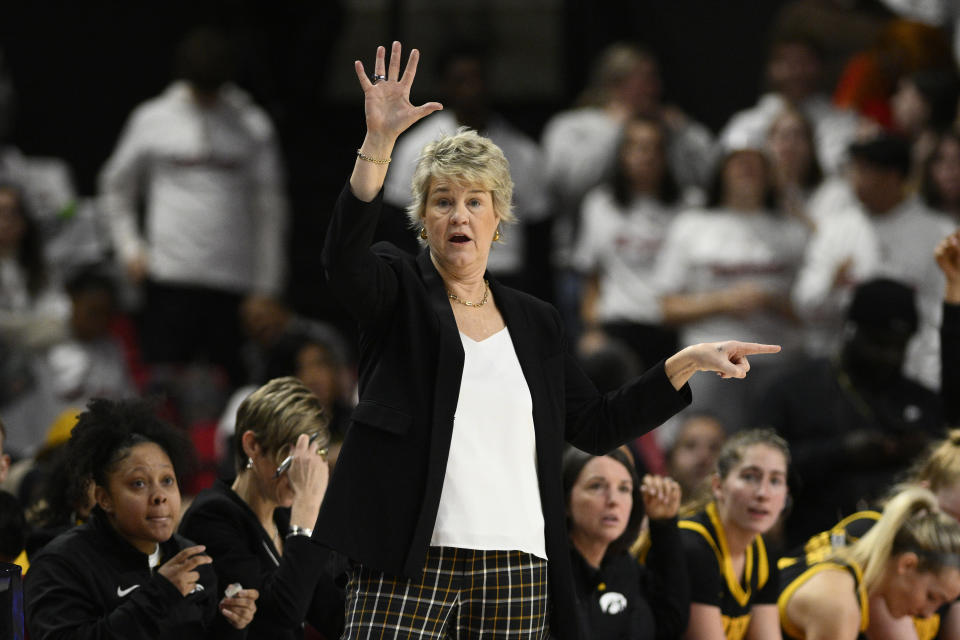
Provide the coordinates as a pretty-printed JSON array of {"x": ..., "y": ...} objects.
[{"x": 750, "y": 348}]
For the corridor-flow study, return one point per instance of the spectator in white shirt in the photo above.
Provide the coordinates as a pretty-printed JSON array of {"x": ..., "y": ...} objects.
[
  {"x": 623, "y": 225},
  {"x": 204, "y": 160},
  {"x": 794, "y": 75},
  {"x": 580, "y": 148},
  {"x": 888, "y": 232},
  {"x": 727, "y": 269}
]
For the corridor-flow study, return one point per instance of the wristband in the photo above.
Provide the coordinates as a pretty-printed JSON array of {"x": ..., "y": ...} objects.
[{"x": 295, "y": 530}]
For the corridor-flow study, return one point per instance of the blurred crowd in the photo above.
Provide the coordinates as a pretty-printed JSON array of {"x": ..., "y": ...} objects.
[{"x": 810, "y": 220}]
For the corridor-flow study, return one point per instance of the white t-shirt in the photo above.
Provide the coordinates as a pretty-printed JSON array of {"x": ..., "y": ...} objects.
[
  {"x": 711, "y": 250},
  {"x": 621, "y": 245},
  {"x": 212, "y": 182},
  {"x": 898, "y": 245},
  {"x": 491, "y": 496}
]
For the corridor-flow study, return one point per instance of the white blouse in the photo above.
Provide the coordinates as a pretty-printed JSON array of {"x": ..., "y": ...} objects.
[{"x": 491, "y": 496}]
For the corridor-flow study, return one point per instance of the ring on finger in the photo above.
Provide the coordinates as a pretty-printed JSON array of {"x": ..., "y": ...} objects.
[{"x": 376, "y": 77}]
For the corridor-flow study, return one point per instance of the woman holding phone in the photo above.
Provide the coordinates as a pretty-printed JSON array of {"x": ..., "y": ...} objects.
[{"x": 259, "y": 529}]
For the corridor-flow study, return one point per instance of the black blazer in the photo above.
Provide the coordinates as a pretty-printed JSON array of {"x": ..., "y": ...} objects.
[{"x": 381, "y": 506}]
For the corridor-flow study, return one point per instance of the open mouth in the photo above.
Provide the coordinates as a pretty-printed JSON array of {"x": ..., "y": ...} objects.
[
  {"x": 610, "y": 520},
  {"x": 459, "y": 238},
  {"x": 758, "y": 513}
]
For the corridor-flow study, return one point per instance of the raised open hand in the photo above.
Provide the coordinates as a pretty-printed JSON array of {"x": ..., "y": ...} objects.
[{"x": 387, "y": 102}]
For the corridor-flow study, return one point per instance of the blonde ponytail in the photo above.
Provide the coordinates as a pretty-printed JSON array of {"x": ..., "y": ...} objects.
[{"x": 911, "y": 522}]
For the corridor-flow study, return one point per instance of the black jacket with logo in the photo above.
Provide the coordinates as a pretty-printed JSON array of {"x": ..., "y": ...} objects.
[
  {"x": 626, "y": 600},
  {"x": 89, "y": 583}
]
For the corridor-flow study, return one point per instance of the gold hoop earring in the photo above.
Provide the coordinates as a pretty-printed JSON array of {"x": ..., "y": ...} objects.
[
  {"x": 496, "y": 234},
  {"x": 423, "y": 233}
]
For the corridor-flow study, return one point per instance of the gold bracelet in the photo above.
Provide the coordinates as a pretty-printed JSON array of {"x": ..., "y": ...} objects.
[{"x": 369, "y": 159}]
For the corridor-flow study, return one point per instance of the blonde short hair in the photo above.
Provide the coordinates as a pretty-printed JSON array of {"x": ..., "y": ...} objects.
[
  {"x": 465, "y": 157},
  {"x": 278, "y": 413}
]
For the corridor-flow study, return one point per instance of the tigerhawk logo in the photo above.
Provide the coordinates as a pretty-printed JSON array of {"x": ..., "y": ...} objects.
[{"x": 613, "y": 602}]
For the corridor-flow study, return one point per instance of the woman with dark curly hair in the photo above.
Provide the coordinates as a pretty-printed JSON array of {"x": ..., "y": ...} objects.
[{"x": 125, "y": 573}]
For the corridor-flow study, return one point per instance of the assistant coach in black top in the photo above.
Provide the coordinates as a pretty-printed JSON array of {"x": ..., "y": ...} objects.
[{"x": 440, "y": 342}]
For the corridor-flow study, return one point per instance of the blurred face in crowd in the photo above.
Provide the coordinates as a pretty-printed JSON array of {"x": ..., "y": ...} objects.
[
  {"x": 601, "y": 500},
  {"x": 91, "y": 314},
  {"x": 875, "y": 355},
  {"x": 642, "y": 155},
  {"x": 945, "y": 172},
  {"x": 910, "y": 109},
  {"x": 142, "y": 498},
  {"x": 12, "y": 224},
  {"x": 318, "y": 372},
  {"x": 752, "y": 495},
  {"x": 745, "y": 180},
  {"x": 466, "y": 83},
  {"x": 264, "y": 318},
  {"x": 790, "y": 147},
  {"x": 694, "y": 454},
  {"x": 878, "y": 188},
  {"x": 794, "y": 71},
  {"x": 641, "y": 88}
]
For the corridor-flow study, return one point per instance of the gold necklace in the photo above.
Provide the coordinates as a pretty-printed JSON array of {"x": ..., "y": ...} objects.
[{"x": 467, "y": 303}]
